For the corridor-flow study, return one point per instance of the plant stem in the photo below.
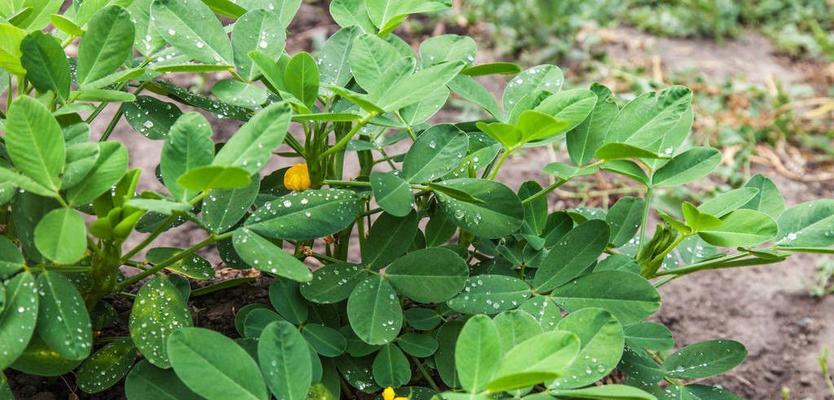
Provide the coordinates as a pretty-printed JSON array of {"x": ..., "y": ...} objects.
[
  {"x": 172, "y": 260},
  {"x": 553, "y": 186},
  {"x": 150, "y": 238},
  {"x": 647, "y": 207},
  {"x": 334, "y": 182},
  {"x": 499, "y": 163},
  {"x": 338, "y": 146},
  {"x": 426, "y": 375}
]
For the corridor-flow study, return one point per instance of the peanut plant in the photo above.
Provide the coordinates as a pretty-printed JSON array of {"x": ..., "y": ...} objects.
[{"x": 400, "y": 266}]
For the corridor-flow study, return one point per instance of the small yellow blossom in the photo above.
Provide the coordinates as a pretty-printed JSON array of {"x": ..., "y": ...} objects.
[
  {"x": 388, "y": 394},
  {"x": 297, "y": 178}
]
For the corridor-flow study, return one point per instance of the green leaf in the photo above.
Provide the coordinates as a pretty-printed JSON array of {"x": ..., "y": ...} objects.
[
  {"x": 650, "y": 336},
  {"x": 374, "y": 311},
  {"x": 63, "y": 321},
  {"x": 327, "y": 341},
  {"x": 34, "y": 142},
  {"x": 498, "y": 213},
  {"x": 436, "y": 152},
  {"x": 12, "y": 180},
  {"x": 285, "y": 361},
  {"x": 147, "y": 382},
  {"x": 548, "y": 78},
  {"x": 241, "y": 94},
  {"x": 194, "y": 267},
  {"x": 431, "y": 275},
  {"x": 332, "y": 283},
  {"x": 490, "y": 294},
  {"x": 65, "y": 24},
  {"x": 728, "y": 202},
  {"x": 188, "y": 145},
  {"x": 257, "y": 320},
  {"x": 417, "y": 345},
  {"x": 207, "y": 177},
  {"x": 769, "y": 200},
  {"x": 81, "y": 158},
  {"x": 214, "y": 366},
  {"x": 424, "y": 319},
  {"x": 444, "y": 358},
  {"x": 223, "y": 208},
  {"x": 704, "y": 359},
  {"x": 392, "y": 193},
  {"x": 40, "y": 360},
  {"x": 810, "y": 224},
  {"x": 535, "y": 360},
  {"x": 243, "y": 313},
  {"x": 306, "y": 215},
  {"x": 349, "y": 13},
  {"x": 584, "y": 140},
  {"x": 106, "y": 367},
  {"x": 388, "y": 239},
  {"x": 619, "y": 151},
  {"x": 252, "y": 145},
  {"x": 686, "y": 167},
  {"x": 535, "y": 126},
  {"x": 285, "y": 297},
  {"x": 102, "y": 95},
  {"x": 334, "y": 67},
  {"x": 257, "y": 30},
  {"x": 286, "y": 9},
  {"x": 110, "y": 166},
  {"x": 544, "y": 310},
  {"x": 577, "y": 250},
  {"x": 602, "y": 339},
  {"x": 382, "y": 12},
  {"x": 695, "y": 392},
  {"x": 158, "y": 310},
  {"x": 412, "y": 89},
  {"x": 11, "y": 260},
  {"x": 61, "y": 236},
  {"x": 192, "y": 28},
  {"x": 262, "y": 254},
  {"x": 17, "y": 321},
  {"x": 516, "y": 326},
  {"x": 741, "y": 228},
  {"x": 107, "y": 44},
  {"x": 624, "y": 219},
  {"x": 160, "y": 206},
  {"x": 46, "y": 64},
  {"x": 572, "y": 107},
  {"x": 301, "y": 78},
  {"x": 605, "y": 392},
  {"x": 391, "y": 368},
  {"x": 469, "y": 89},
  {"x": 10, "y": 53},
  {"x": 443, "y": 48},
  {"x": 629, "y": 297},
  {"x": 648, "y": 121},
  {"x": 477, "y": 353},
  {"x": 494, "y": 68}
]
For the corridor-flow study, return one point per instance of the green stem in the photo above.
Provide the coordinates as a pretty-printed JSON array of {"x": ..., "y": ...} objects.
[
  {"x": 150, "y": 238},
  {"x": 644, "y": 220},
  {"x": 709, "y": 264},
  {"x": 346, "y": 139},
  {"x": 426, "y": 375},
  {"x": 499, "y": 163},
  {"x": 553, "y": 186},
  {"x": 171, "y": 260},
  {"x": 335, "y": 182}
]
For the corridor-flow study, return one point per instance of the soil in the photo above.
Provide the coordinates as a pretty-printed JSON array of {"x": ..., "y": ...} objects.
[{"x": 766, "y": 308}]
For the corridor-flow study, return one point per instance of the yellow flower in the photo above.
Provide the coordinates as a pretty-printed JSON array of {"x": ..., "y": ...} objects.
[
  {"x": 388, "y": 394},
  {"x": 297, "y": 178}
]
